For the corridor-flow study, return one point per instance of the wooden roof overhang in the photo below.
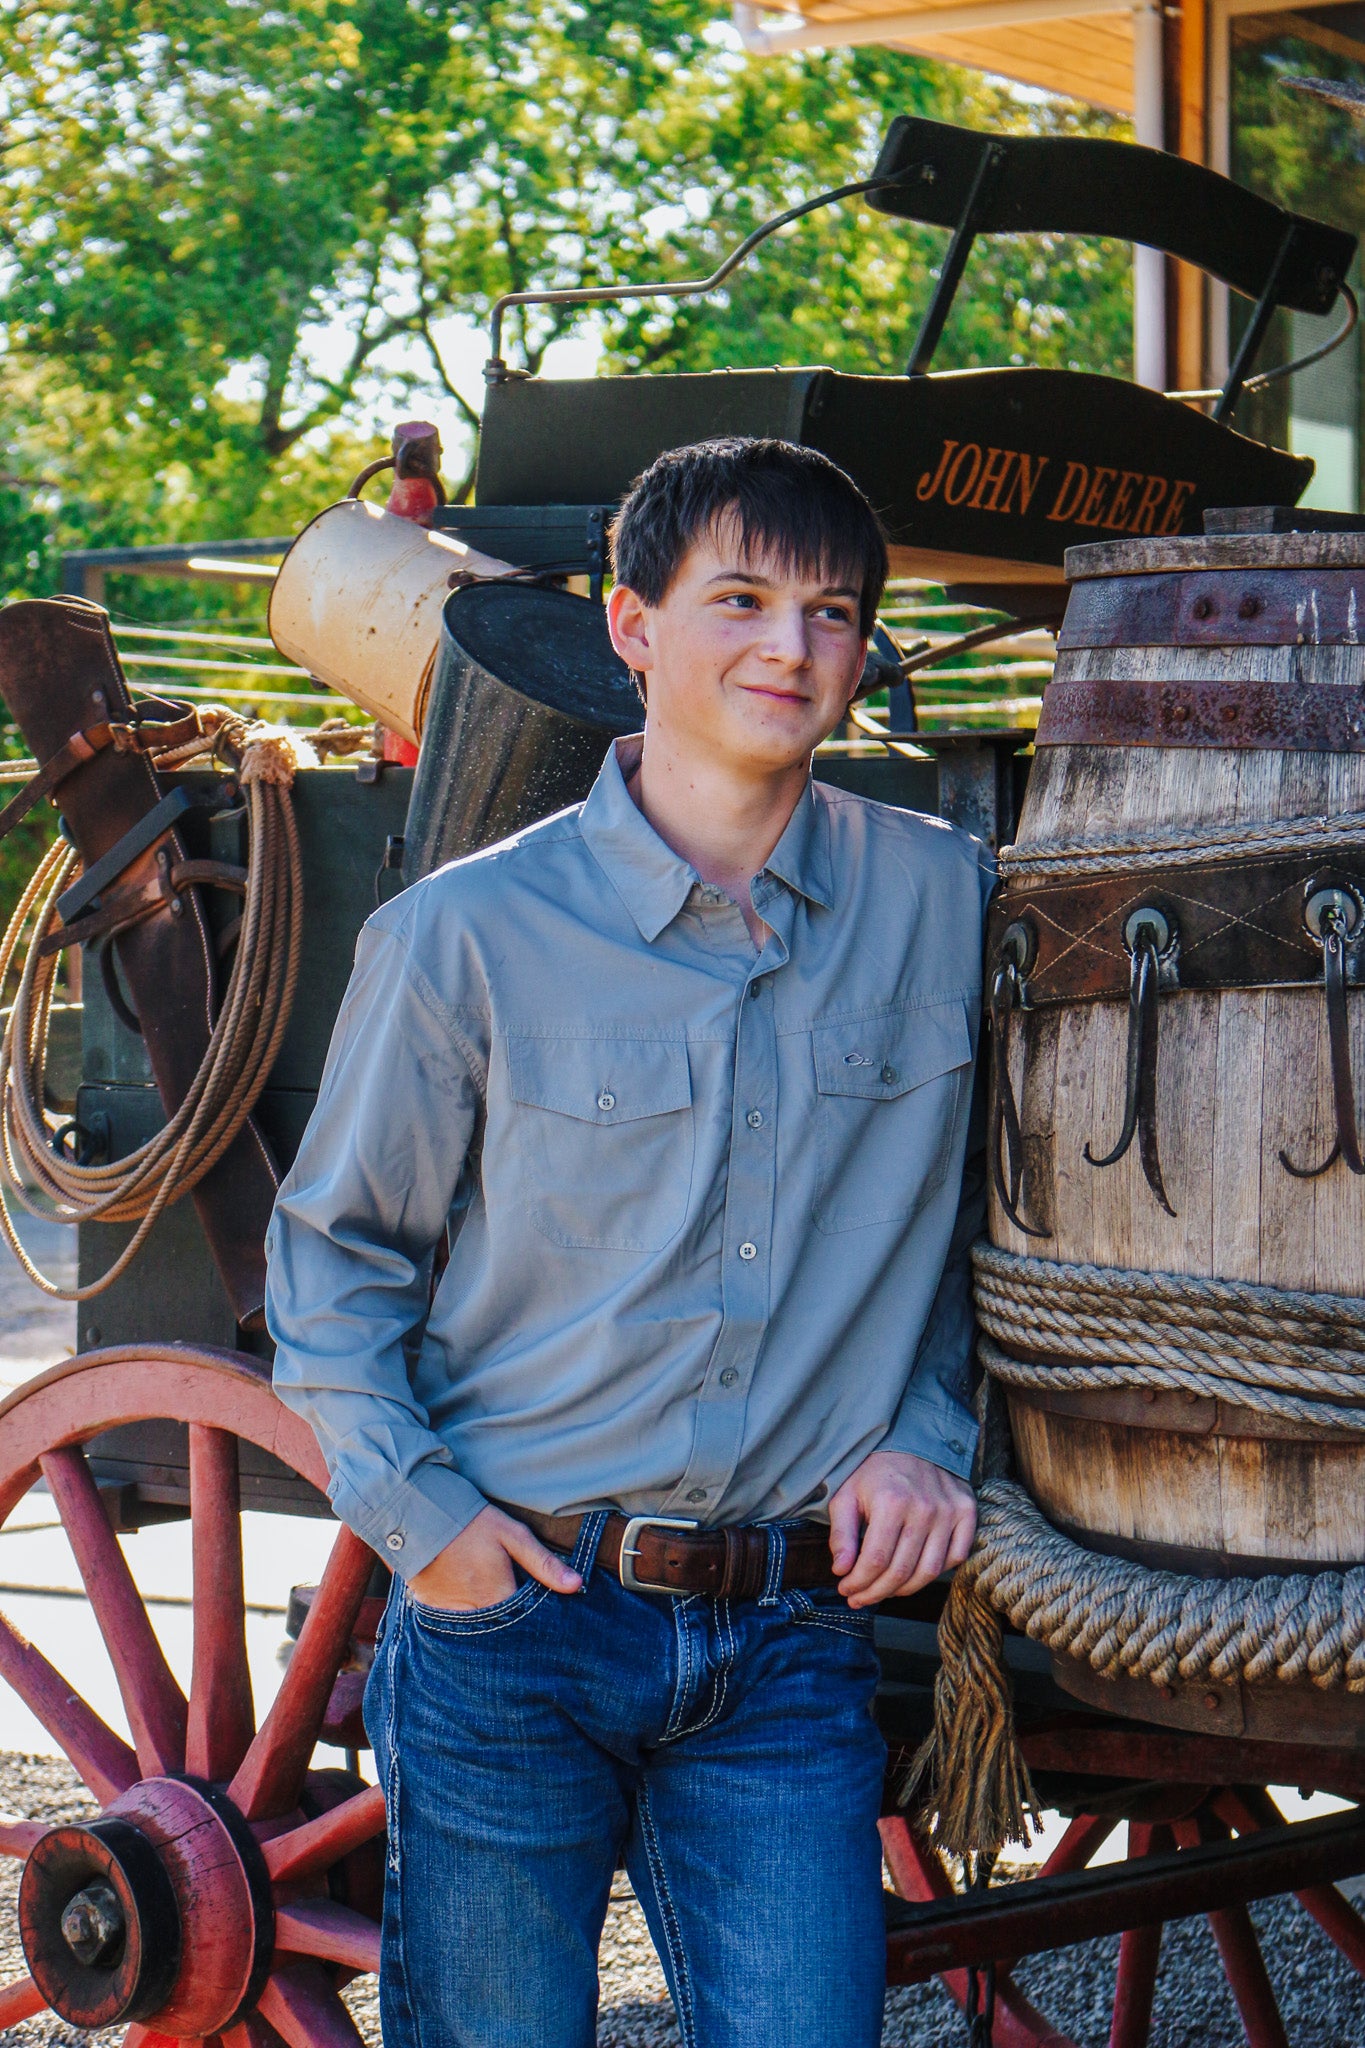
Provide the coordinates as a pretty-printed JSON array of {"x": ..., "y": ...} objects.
[{"x": 1081, "y": 48}]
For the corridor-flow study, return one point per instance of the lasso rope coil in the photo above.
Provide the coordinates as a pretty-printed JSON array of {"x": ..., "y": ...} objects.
[{"x": 245, "y": 1039}]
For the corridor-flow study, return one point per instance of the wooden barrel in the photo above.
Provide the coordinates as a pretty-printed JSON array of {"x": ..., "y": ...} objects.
[{"x": 1207, "y": 690}]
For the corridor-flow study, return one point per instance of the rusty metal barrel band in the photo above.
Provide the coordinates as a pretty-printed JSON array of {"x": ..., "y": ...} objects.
[
  {"x": 1242, "y": 607},
  {"x": 1279, "y": 717}
]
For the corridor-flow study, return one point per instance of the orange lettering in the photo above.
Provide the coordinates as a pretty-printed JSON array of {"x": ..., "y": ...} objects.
[
  {"x": 993, "y": 472},
  {"x": 1077, "y": 474},
  {"x": 1121, "y": 504},
  {"x": 1154, "y": 491},
  {"x": 937, "y": 475},
  {"x": 1179, "y": 495},
  {"x": 1093, "y": 510},
  {"x": 950, "y": 480},
  {"x": 1025, "y": 481}
]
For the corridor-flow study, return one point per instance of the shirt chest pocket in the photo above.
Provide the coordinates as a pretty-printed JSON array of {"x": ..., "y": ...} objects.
[
  {"x": 888, "y": 1093},
  {"x": 604, "y": 1138}
]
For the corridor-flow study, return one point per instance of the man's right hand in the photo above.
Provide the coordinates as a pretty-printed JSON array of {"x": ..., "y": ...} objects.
[{"x": 476, "y": 1569}]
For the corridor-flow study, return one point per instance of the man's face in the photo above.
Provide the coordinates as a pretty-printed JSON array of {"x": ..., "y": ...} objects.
[{"x": 742, "y": 658}]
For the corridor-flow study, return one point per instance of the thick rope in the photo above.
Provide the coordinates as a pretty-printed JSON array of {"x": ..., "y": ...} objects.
[
  {"x": 1297, "y": 1356},
  {"x": 245, "y": 1039},
  {"x": 1123, "y": 1620},
  {"x": 1139, "y": 854}
]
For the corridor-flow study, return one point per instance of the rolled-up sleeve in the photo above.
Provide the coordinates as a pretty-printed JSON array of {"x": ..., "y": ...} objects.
[
  {"x": 350, "y": 1252},
  {"x": 934, "y": 1419}
]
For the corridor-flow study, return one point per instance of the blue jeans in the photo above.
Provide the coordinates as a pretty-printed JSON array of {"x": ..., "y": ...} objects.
[{"x": 724, "y": 1748}]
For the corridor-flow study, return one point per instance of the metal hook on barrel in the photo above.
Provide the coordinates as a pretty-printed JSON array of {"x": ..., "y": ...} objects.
[
  {"x": 1149, "y": 935},
  {"x": 1332, "y": 914},
  {"x": 1013, "y": 958}
]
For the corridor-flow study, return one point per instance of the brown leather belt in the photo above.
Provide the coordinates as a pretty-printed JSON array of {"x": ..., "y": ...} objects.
[{"x": 652, "y": 1554}]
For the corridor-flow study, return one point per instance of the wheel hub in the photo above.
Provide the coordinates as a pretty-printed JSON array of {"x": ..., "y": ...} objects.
[{"x": 159, "y": 1910}]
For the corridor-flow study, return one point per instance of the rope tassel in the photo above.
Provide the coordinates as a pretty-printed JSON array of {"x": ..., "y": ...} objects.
[{"x": 968, "y": 1776}]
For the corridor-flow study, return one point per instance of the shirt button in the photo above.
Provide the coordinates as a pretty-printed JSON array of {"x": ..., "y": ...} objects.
[
  {"x": 394, "y": 1540},
  {"x": 606, "y": 1100},
  {"x": 955, "y": 1443},
  {"x": 748, "y": 1251},
  {"x": 755, "y": 988},
  {"x": 889, "y": 1074},
  {"x": 754, "y": 1119},
  {"x": 729, "y": 1376},
  {"x": 698, "y": 1493}
]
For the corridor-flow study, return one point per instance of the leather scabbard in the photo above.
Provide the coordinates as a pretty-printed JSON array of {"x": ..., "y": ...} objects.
[{"x": 60, "y": 675}]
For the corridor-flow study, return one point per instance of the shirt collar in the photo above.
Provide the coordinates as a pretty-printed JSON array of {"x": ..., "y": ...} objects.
[{"x": 654, "y": 882}]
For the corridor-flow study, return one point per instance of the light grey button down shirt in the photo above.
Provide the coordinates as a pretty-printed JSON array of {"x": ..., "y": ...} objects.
[{"x": 702, "y": 1202}]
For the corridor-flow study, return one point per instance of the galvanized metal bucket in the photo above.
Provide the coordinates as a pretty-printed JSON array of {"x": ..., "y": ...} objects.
[
  {"x": 358, "y": 603},
  {"x": 528, "y": 693}
]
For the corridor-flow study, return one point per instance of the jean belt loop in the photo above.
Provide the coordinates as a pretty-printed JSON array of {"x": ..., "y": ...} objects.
[
  {"x": 777, "y": 1558},
  {"x": 589, "y": 1539}
]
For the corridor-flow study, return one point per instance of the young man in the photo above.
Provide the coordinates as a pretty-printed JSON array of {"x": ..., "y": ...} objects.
[{"x": 683, "y": 1077}]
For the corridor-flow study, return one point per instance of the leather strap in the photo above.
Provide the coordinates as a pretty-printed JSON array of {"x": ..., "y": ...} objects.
[
  {"x": 117, "y": 909},
  {"x": 1235, "y": 924},
  {"x": 82, "y": 747},
  {"x": 729, "y": 1563}
]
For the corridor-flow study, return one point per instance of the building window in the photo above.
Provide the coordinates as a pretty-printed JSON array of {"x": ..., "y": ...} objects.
[{"x": 1311, "y": 157}]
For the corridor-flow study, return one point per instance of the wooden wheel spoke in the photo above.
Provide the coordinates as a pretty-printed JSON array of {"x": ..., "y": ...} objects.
[
  {"x": 17, "y": 1836},
  {"x": 152, "y": 1700},
  {"x": 252, "y": 2032},
  {"x": 1248, "y": 1978},
  {"x": 1248, "y": 1807},
  {"x": 138, "y": 2036},
  {"x": 309, "y": 1850},
  {"x": 917, "y": 1874},
  {"x": 331, "y": 1932},
  {"x": 272, "y": 1772},
  {"x": 301, "y": 2004},
  {"x": 103, "y": 1761},
  {"x": 1135, "y": 1990},
  {"x": 20, "y": 2001},
  {"x": 1084, "y": 1835},
  {"x": 222, "y": 1717}
]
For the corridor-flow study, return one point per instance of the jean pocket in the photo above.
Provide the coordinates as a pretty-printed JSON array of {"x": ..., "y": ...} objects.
[
  {"x": 826, "y": 1607},
  {"x": 473, "y": 1621}
]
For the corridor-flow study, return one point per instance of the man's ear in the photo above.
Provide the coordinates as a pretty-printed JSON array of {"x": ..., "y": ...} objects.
[{"x": 628, "y": 624}]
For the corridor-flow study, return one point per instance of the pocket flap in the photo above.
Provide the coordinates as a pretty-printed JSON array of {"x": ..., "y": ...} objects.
[
  {"x": 882, "y": 1057},
  {"x": 600, "y": 1080}
]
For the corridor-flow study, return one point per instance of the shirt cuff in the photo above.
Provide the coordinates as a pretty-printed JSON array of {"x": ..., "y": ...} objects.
[
  {"x": 421, "y": 1516},
  {"x": 942, "y": 1433}
]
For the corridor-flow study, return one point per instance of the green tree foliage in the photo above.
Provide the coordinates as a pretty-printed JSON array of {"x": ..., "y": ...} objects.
[{"x": 197, "y": 194}]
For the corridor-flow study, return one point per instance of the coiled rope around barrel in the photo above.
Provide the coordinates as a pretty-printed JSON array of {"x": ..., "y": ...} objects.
[
  {"x": 1297, "y": 1356},
  {"x": 1274, "y": 1350},
  {"x": 245, "y": 1039},
  {"x": 1138, "y": 854},
  {"x": 1123, "y": 1620}
]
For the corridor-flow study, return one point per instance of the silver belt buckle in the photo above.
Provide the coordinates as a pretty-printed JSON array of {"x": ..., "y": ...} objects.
[{"x": 630, "y": 1541}]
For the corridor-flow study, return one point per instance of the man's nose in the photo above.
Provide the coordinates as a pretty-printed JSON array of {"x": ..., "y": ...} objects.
[{"x": 788, "y": 638}]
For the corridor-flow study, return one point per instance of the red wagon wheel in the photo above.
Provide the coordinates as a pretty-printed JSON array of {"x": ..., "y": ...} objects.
[
  {"x": 1196, "y": 1815},
  {"x": 220, "y": 1893}
]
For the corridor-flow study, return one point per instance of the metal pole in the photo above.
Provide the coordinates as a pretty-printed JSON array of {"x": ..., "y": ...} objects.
[{"x": 1149, "y": 265}]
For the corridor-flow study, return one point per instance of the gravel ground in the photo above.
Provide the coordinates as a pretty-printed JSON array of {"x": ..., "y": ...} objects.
[{"x": 1321, "y": 1998}]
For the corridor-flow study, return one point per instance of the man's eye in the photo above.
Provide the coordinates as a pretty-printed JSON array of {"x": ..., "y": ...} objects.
[
  {"x": 840, "y": 612},
  {"x": 744, "y": 598}
]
